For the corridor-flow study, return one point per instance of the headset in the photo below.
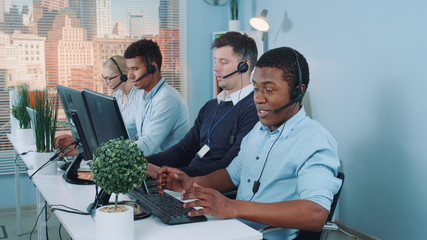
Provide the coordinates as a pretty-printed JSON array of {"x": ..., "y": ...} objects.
[
  {"x": 297, "y": 93},
  {"x": 123, "y": 77},
  {"x": 242, "y": 67},
  {"x": 150, "y": 68}
]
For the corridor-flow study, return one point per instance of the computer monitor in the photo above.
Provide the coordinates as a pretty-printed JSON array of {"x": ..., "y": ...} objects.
[
  {"x": 106, "y": 117},
  {"x": 78, "y": 117},
  {"x": 108, "y": 124},
  {"x": 81, "y": 128}
]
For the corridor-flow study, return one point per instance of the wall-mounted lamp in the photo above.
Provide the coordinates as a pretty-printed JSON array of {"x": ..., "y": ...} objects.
[{"x": 260, "y": 23}]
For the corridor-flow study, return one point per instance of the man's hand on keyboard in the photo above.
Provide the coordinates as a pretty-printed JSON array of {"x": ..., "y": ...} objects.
[
  {"x": 173, "y": 179},
  {"x": 212, "y": 202}
]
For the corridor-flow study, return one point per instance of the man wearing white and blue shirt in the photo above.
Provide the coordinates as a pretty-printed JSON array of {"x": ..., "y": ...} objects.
[
  {"x": 161, "y": 117},
  {"x": 285, "y": 172}
]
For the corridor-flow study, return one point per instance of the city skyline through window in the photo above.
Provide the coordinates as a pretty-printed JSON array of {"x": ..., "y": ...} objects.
[{"x": 48, "y": 42}]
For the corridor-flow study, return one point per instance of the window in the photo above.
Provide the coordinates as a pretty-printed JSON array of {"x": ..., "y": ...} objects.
[{"x": 73, "y": 38}]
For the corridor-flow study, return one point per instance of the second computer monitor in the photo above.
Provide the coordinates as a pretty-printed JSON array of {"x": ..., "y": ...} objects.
[{"x": 105, "y": 115}]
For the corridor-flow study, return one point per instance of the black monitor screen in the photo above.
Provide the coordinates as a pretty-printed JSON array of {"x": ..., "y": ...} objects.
[
  {"x": 79, "y": 120},
  {"x": 106, "y": 116}
]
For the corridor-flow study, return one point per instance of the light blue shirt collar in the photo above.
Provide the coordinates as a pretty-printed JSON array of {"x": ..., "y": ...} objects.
[
  {"x": 152, "y": 93},
  {"x": 288, "y": 125}
]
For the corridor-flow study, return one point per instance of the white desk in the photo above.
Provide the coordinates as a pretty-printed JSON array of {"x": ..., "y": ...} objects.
[{"x": 55, "y": 190}]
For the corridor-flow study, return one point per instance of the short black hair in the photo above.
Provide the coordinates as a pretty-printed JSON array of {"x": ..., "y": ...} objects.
[
  {"x": 240, "y": 43},
  {"x": 145, "y": 48},
  {"x": 285, "y": 58}
]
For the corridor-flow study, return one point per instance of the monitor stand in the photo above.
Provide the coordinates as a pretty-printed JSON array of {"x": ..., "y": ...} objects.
[
  {"x": 71, "y": 175},
  {"x": 101, "y": 199}
]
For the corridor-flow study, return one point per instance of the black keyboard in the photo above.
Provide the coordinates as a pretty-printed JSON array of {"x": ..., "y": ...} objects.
[{"x": 166, "y": 207}]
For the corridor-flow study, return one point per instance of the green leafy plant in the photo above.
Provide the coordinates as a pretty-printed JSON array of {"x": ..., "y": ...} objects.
[
  {"x": 119, "y": 166},
  {"x": 234, "y": 9},
  {"x": 19, "y": 110},
  {"x": 44, "y": 121}
]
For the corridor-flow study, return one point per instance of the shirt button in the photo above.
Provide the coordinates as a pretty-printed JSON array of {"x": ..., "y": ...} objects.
[
  {"x": 257, "y": 158},
  {"x": 249, "y": 180}
]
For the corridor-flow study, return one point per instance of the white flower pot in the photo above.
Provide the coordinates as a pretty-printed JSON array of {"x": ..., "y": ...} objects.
[
  {"x": 40, "y": 158},
  {"x": 234, "y": 25},
  {"x": 114, "y": 225},
  {"x": 25, "y": 136}
]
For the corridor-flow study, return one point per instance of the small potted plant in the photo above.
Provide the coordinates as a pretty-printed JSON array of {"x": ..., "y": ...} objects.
[
  {"x": 234, "y": 23},
  {"x": 118, "y": 167},
  {"x": 24, "y": 133},
  {"x": 44, "y": 116}
]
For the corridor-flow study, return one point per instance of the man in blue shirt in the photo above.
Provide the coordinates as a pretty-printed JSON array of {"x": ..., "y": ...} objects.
[
  {"x": 286, "y": 169},
  {"x": 161, "y": 114},
  {"x": 221, "y": 124}
]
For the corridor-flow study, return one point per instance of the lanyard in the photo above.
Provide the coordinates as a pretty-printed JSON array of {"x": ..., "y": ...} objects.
[
  {"x": 213, "y": 126},
  {"x": 148, "y": 105}
]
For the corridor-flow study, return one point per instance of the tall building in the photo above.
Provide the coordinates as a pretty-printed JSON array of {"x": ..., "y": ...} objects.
[
  {"x": 145, "y": 22},
  {"x": 22, "y": 60},
  {"x": 169, "y": 14},
  {"x": 30, "y": 60},
  {"x": 54, "y": 5},
  {"x": 68, "y": 53},
  {"x": 94, "y": 15},
  {"x": 13, "y": 21},
  {"x": 136, "y": 24},
  {"x": 104, "y": 26},
  {"x": 4, "y": 8}
]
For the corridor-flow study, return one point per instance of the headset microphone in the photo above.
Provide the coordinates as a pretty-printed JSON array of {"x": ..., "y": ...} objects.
[
  {"x": 299, "y": 98},
  {"x": 114, "y": 88},
  {"x": 230, "y": 74},
  {"x": 143, "y": 76}
]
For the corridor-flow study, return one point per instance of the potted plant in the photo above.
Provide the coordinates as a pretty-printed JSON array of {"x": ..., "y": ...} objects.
[
  {"x": 24, "y": 133},
  {"x": 118, "y": 167},
  {"x": 234, "y": 23},
  {"x": 44, "y": 116}
]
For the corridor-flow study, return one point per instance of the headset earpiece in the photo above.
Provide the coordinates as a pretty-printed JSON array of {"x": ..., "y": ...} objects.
[
  {"x": 243, "y": 66},
  {"x": 123, "y": 77},
  {"x": 150, "y": 67}
]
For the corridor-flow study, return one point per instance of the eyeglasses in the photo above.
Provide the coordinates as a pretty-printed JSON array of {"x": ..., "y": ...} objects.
[{"x": 108, "y": 79}]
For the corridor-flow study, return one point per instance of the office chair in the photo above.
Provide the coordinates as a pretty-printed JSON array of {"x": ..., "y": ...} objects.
[{"x": 310, "y": 235}]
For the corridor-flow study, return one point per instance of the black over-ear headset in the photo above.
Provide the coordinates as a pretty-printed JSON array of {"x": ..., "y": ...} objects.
[
  {"x": 123, "y": 77},
  {"x": 242, "y": 67},
  {"x": 150, "y": 68},
  {"x": 297, "y": 93}
]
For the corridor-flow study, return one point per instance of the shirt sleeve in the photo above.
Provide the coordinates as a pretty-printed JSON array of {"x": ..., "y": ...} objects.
[{"x": 317, "y": 179}]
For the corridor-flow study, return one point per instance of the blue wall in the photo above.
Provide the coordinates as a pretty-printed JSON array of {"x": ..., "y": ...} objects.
[
  {"x": 368, "y": 65},
  {"x": 203, "y": 20}
]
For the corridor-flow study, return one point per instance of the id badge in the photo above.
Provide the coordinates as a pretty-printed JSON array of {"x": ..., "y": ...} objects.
[{"x": 202, "y": 152}]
